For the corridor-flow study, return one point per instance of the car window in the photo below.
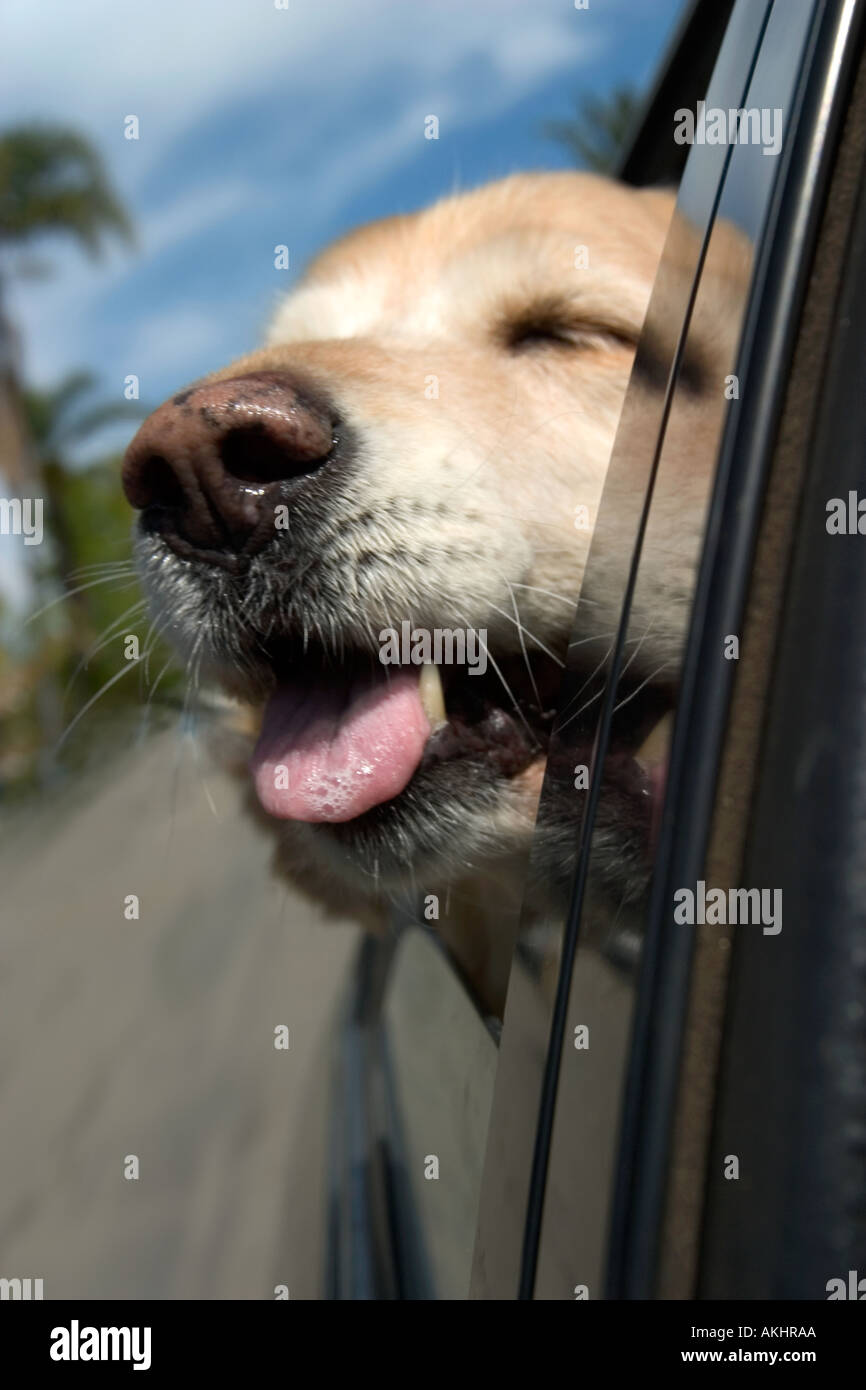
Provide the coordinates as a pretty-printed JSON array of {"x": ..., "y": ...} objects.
[
  {"x": 614, "y": 908},
  {"x": 604, "y": 793}
]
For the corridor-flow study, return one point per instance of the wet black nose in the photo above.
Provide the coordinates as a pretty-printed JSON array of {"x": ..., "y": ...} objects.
[{"x": 210, "y": 466}]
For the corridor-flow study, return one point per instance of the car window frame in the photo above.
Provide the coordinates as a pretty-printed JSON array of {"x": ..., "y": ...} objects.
[
  {"x": 770, "y": 334},
  {"x": 736, "y": 62},
  {"x": 802, "y": 1212}
]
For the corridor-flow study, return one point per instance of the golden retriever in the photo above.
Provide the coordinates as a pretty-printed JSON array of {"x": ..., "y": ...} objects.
[{"x": 419, "y": 448}]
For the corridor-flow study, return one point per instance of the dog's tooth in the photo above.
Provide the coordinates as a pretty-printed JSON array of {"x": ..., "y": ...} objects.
[{"x": 432, "y": 698}]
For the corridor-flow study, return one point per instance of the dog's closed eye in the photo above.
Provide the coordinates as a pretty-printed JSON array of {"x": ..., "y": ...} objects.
[{"x": 552, "y": 323}]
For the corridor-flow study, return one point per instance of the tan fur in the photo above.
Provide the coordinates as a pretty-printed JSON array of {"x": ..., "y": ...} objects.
[{"x": 475, "y": 458}]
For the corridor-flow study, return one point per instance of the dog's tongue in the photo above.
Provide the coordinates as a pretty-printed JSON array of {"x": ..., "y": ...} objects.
[{"x": 330, "y": 751}]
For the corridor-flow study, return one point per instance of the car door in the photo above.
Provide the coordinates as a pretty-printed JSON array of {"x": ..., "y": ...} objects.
[{"x": 605, "y": 1134}]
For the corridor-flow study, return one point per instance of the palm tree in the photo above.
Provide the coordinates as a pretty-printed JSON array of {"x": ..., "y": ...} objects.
[
  {"x": 53, "y": 180},
  {"x": 63, "y": 417},
  {"x": 86, "y": 517},
  {"x": 596, "y": 135}
]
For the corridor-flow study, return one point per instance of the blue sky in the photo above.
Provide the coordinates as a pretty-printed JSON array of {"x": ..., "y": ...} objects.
[{"x": 261, "y": 126}]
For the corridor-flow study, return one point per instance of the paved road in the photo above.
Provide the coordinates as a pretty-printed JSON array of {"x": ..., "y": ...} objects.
[{"x": 155, "y": 1038}]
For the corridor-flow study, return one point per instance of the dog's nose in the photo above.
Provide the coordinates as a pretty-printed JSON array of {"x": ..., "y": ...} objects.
[{"x": 209, "y": 467}]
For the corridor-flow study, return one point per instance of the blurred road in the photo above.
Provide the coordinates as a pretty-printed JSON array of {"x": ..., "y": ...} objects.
[{"x": 155, "y": 1038}]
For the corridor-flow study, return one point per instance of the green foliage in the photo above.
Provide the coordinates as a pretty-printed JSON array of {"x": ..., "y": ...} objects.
[
  {"x": 62, "y": 417},
  {"x": 97, "y": 526},
  {"x": 53, "y": 180},
  {"x": 79, "y": 641},
  {"x": 596, "y": 135}
]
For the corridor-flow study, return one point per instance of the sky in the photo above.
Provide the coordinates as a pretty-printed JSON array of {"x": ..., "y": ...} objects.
[{"x": 276, "y": 122}]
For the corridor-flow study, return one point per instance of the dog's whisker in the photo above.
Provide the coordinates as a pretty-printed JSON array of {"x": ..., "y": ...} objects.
[
  {"x": 520, "y": 631},
  {"x": 506, "y": 687},
  {"x": 129, "y": 666},
  {"x": 151, "y": 637},
  {"x": 571, "y": 600},
  {"x": 105, "y": 637},
  {"x": 585, "y": 641},
  {"x": 639, "y": 641},
  {"x": 651, "y": 677},
  {"x": 72, "y": 593},
  {"x": 110, "y": 567},
  {"x": 153, "y": 688},
  {"x": 196, "y": 752},
  {"x": 589, "y": 679},
  {"x": 578, "y": 712},
  {"x": 529, "y": 633}
]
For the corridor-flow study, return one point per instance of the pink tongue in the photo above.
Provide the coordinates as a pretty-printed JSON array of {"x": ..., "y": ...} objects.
[{"x": 329, "y": 752}]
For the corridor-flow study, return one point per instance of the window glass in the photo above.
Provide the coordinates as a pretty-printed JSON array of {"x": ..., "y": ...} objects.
[
  {"x": 595, "y": 1049},
  {"x": 616, "y": 711}
]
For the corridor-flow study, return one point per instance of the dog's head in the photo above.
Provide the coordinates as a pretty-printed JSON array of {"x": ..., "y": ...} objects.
[{"x": 375, "y": 527}]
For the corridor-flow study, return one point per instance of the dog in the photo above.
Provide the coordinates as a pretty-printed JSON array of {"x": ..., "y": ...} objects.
[{"x": 419, "y": 447}]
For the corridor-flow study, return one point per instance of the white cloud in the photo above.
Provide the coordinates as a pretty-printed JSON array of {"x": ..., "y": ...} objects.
[
  {"x": 167, "y": 340},
  {"x": 174, "y": 62},
  {"x": 168, "y": 61},
  {"x": 351, "y": 84},
  {"x": 192, "y": 212},
  {"x": 53, "y": 310}
]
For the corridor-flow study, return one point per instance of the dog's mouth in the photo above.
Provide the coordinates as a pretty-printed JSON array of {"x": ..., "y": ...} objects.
[
  {"x": 338, "y": 741},
  {"x": 361, "y": 749}
]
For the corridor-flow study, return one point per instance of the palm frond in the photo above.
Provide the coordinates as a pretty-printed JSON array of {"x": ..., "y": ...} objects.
[
  {"x": 53, "y": 180},
  {"x": 58, "y": 418},
  {"x": 595, "y": 136}
]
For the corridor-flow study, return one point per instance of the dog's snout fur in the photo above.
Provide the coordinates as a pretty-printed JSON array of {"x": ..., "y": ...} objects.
[{"x": 210, "y": 467}]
